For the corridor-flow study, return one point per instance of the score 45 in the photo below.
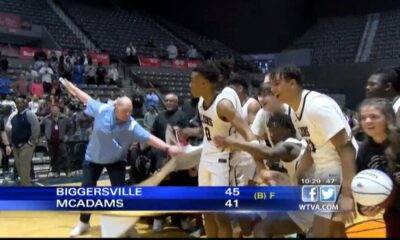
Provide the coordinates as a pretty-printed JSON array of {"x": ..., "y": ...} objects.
[
  {"x": 232, "y": 202},
  {"x": 232, "y": 192}
]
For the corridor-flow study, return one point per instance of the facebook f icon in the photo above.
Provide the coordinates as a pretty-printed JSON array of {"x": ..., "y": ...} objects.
[{"x": 309, "y": 194}]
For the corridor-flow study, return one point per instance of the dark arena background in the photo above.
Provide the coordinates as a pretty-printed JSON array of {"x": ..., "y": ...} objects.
[{"x": 147, "y": 49}]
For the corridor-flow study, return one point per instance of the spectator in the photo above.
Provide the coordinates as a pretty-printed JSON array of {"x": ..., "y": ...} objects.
[
  {"x": 21, "y": 86},
  {"x": 66, "y": 67},
  {"x": 55, "y": 88},
  {"x": 85, "y": 58},
  {"x": 130, "y": 50},
  {"x": 149, "y": 118},
  {"x": 380, "y": 150},
  {"x": 101, "y": 73},
  {"x": 53, "y": 62},
  {"x": 5, "y": 143},
  {"x": 31, "y": 74},
  {"x": 176, "y": 118},
  {"x": 9, "y": 101},
  {"x": 77, "y": 73},
  {"x": 190, "y": 107},
  {"x": 47, "y": 73},
  {"x": 113, "y": 75},
  {"x": 172, "y": 51},
  {"x": 137, "y": 103},
  {"x": 34, "y": 104},
  {"x": 74, "y": 57},
  {"x": 82, "y": 123},
  {"x": 111, "y": 100},
  {"x": 192, "y": 52},
  {"x": 57, "y": 127},
  {"x": 90, "y": 73},
  {"x": 24, "y": 135},
  {"x": 40, "y": 55},
  {"x": 151, "y": 99},
  {"x": 36, "y": 88},
  {"x": 42, "y": 110},
  {"x": 3, "y": 64},
  {"x": 5, "y": 84}
]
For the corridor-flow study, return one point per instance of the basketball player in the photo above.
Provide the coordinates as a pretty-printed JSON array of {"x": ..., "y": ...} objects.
[
  {"x": 385, "y": 83},
  {"x": 219, "y": 114},
  {"x": 270, "y": 105},
  {"x": 290, "y": 151},
  {"x": 320, "y": 121},
  {"x": 245, "y": 169},
  {"x": 250, "y": 106}
]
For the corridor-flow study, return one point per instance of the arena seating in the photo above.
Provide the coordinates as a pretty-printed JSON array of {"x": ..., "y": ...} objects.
[
  {"x": 112, "y": 29},
  {"x": 166, "y": 79},
  {"x": 333, "y": 40},
  {"x": 39, "y": 12},
  {"x": 387, "y": 38},
  {"x": 202, "y": 43}
]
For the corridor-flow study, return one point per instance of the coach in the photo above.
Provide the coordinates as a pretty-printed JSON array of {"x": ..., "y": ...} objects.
[{"x": 114, "y": 130}]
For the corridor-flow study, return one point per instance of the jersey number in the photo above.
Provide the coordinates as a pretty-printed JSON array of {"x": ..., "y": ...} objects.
[{"x": 208, "y": 134}]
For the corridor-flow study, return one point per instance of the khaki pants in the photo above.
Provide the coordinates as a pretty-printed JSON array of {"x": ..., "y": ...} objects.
[{"x": 23, "y": 157}]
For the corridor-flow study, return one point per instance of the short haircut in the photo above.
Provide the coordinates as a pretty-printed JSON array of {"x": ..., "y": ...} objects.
[
  {"x": 281, "y": 120},
  {"x": 239, "y": 79},
  {"x": 265, "y": 89},
  {"x": 208, "y": 71},
  {"x": 287, "y": 72},
  {"x": 389, "y": 74}
]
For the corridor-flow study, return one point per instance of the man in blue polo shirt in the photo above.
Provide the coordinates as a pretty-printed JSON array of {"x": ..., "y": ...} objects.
[{"x": 114, "y": 130}]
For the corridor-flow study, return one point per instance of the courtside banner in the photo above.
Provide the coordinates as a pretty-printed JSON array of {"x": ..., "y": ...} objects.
[{"x": 167, "y": 198}]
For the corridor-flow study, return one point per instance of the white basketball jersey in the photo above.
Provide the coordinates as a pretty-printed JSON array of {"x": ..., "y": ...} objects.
[
  {"x": 396, "y": 105},
  {"x": 245, "y": 110},
  {"x": 214, "y": 126},
  {"x": 317, "y": 120}
]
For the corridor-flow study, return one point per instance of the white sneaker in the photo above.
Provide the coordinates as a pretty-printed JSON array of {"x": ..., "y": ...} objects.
[
  {"x": 158, "y": 225},
  {"x": 79, "y": 229},
  {"x": 132, "y": 233},
  {"x": 197, "y": 233}
]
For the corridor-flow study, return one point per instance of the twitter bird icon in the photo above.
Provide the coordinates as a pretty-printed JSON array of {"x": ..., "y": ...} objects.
[{"x": 327, "y": 194}]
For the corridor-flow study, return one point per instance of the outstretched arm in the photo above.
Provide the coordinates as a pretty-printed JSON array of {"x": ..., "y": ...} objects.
[
  {"x": 228, "y": 113},
  {"x": 282, "y": 151},
  {"x": 75, "y": 91}
]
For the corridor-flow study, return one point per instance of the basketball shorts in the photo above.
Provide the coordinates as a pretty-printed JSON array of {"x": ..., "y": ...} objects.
[
  {"x": 303, "y": 220},
  {"x": 331, "y": 174},
  {"x": 214, "y": 173},
  {"x": 242, "y": 168}
]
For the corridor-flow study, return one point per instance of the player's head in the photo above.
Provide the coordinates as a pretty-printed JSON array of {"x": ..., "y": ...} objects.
[
  {"x": 55, "y": 110},
  {"x": 21, "y": 104},
  {"x": 378, "y": 121},
  {"x": 208, "y": 78},
  {"x": 268, "y": 99},
  {"x": 377, "y": 117},
  {"x": 383, "y": 83},
  {"x": 239, "y": 83},
  {"x": 171, "y": 102},
  {"x": 123, "y": 108},
  {"x": 281, "y": 127},
  {"x": 286, "y": 81}
]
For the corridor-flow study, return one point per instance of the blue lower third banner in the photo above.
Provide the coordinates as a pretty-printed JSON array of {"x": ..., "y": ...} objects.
[{"x": 309, "y": 198}]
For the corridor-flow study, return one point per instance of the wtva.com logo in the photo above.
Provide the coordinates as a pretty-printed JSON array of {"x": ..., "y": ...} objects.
[{"x": 315, "y": 193}]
